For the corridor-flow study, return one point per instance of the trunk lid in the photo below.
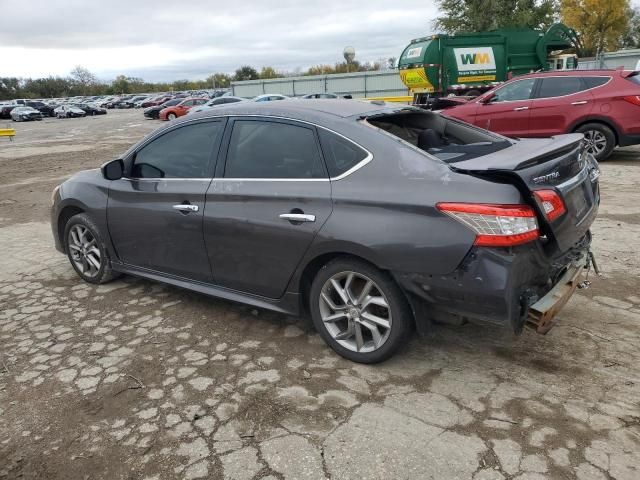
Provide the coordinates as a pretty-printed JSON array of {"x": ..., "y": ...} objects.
[{"x": 556, "y": 163}]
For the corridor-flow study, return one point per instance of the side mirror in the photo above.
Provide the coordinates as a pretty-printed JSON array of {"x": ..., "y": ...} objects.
[
  {"x": 488, "y": 98},
  {"x": 113, "y": 170}
]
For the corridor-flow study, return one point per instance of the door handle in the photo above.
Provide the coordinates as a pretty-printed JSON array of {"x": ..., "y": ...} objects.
[
  {"x": 298, "y": 217},
  {"x": 519, "y": 109},
  {"x": 582, "y": 102},
  {"x": 186, "y": 208}
]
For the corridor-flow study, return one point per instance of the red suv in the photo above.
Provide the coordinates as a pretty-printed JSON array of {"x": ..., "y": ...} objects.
[{"x": 604, "y": 105}]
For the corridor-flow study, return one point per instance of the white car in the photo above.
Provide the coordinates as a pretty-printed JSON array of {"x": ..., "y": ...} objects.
[
  {"x": 69, "y": 111},
  {"x": 270, "y": 97},
  {"x": 214, "y": 102}
]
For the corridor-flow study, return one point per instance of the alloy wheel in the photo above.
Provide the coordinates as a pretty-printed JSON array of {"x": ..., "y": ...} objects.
[
  {"x": 355, "y": 312},
  {"x": 596, "y": 142},
  {"x": 84, "y": 250}
]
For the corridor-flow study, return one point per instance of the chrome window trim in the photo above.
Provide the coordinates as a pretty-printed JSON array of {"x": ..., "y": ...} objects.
[
  {"x": 610, "y": 77},
  {"x": 353, "y": 169}
]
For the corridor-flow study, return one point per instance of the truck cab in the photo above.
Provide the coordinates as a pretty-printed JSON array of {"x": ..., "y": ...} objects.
[{"x": 567, "y": 61}]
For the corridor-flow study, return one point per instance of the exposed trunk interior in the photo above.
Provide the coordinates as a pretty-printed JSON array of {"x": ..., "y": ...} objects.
[{"x": 447, "y": 139}]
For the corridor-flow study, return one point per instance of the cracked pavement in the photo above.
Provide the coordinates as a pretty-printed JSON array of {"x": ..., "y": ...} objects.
[{"x": 135, "y": 379}]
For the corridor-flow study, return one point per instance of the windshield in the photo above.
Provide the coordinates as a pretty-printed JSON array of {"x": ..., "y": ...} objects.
[{"x": 446, "y": 139}]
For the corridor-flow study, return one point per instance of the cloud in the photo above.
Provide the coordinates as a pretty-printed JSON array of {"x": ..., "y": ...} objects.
[{"x": 162, "y": 40}]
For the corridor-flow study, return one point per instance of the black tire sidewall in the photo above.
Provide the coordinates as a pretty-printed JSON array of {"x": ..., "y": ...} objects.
[
  {"x": 84, "y": 220},
  {"x": 400, "y": 310},
  {"x": 607, "y": 132}
]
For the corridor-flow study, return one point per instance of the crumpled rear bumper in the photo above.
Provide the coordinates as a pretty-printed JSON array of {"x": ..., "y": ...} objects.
[
  {"x": 513, "y": 287},
  {"x": 541, "y": 315}
]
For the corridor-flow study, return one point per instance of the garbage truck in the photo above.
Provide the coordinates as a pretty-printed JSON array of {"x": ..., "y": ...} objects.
[{"x": 471, "y": 63}]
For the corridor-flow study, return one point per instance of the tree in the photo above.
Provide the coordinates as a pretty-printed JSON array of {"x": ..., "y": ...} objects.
[
  {"x": 482, "y": 15},
  {"x": 246, "y": 72},
  {"x": 631, "y": 38},
  {"x": 392, "y": 62},
  {"x": 84, "y": 79},
  {"x": 601, "y": 24},
  {"x": 218, "y": 80},
  {"x": 269, "y": 72}
]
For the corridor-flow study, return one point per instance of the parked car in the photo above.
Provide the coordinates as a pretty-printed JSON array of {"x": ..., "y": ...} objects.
[
  {"x": 25, "y": 114},
  {"x": 344, "y": 210},
  {"x": 91, "y": 109},
  {"x": 320, "y": 95},
  {"x": 46, "y": 110},
  {"x": 5, "y": 110},
  {"x": 214, "y": 102},
  {"x": 269, "y": 97},
  {"x": 154, "y": 112},
  {"x": 175, "y": 111},
  {"x": 69, "y": 111},
  {"x": 131, "y": 101},
  {"x": 153, "y": 101},
  {"x": 603, "y": 105}
]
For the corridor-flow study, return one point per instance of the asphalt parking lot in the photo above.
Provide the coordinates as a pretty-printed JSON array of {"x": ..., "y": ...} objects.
[{"x": 134, "y": 379}]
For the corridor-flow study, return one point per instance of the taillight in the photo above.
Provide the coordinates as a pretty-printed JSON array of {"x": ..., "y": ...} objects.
[
  {"x": 495, "y": 225},
  {"x": 635, "y": 99},
  {"x": 551, "y": 203}
]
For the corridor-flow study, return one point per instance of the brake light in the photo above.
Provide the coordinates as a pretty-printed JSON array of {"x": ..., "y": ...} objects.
[
  {"x": 495, "y": 225},
  {"x": 635, "y": 99},
  {"x": 552, "y": 204}
]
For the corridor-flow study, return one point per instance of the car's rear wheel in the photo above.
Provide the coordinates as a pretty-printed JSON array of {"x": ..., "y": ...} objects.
[
  {"x": 171, "y": 116},
  {"x": 359, "y": 310},
  {"x": 600, "y": 140},
  {"x": 86, "y": 250}
]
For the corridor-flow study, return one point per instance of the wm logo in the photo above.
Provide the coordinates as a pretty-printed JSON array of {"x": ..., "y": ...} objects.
[{"x": 475, "y": 58}]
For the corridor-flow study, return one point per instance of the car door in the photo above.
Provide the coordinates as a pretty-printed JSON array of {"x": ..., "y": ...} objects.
[
  {"x": 266, "y": 204},
  {"x": 557, "y": 104},
  {"x": 155, "y": 212},
  {"x": 507, "y": 111}
]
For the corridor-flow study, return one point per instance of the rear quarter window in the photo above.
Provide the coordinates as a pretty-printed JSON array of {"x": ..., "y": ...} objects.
[
  {"x": 593, "y": 82},
  {"x": 340, "y": 154}
]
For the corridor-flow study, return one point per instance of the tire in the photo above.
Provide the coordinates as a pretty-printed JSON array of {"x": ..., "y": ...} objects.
[
  {"x": 338, "y": 324},
  {"x": 600, "y": 139},
  {"x": 171, "y": 116},
  {"x": 82, "y": 236}
]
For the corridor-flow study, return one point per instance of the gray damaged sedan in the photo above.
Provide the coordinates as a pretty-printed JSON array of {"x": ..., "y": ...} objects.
[{"x": 375, "y": 220}]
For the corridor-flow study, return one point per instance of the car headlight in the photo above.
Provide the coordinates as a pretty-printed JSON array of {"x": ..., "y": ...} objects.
[{"x": 54, "y": 194}]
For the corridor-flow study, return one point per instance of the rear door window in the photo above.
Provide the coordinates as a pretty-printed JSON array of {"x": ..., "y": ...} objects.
[
  {"x": 559, "y": 86},
  {"x": 340, "y": 154},
  {"x": 265, "y": 149}
]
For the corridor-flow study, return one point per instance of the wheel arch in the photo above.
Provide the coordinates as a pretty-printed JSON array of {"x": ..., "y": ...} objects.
[
  {"x": 604, "y": 121},
  {"x": 63, "y": 218}
]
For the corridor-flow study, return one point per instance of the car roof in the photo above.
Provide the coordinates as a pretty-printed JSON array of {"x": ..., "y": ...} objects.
[
  {"x": 296, "y": 109},
  {"x": 571, "y": 73}
]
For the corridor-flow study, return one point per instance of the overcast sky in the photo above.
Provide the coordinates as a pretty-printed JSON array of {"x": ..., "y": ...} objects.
[{"x": 168, "y": 40}]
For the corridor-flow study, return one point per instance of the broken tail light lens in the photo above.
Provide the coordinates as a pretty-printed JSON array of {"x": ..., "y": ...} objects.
[
  {"x": 495, "y": 225},
  {"x": 551, "y": 203}
]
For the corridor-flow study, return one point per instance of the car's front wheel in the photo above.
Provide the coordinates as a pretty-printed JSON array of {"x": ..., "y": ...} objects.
[
  {"x": 171, "y": 116},
  {"x": 86, "y": 250},
  {"x": 359, "y": 310},
  {"x": 599, "y": 139}
]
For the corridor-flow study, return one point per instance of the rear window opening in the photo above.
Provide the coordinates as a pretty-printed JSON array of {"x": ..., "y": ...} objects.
[{"x": 447, "y": 139}]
